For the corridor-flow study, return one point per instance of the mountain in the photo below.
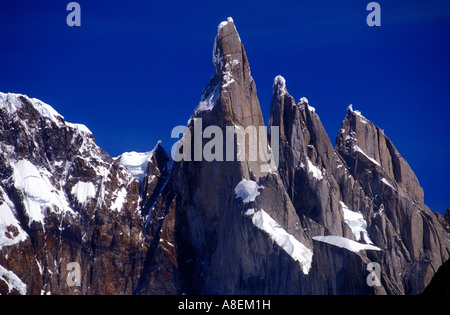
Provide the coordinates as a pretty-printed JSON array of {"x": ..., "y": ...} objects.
[{"x": 238, "y": 208}]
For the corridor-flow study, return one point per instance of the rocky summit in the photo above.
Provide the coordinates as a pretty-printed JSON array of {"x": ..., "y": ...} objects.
[{"x": 303, "y": 216}]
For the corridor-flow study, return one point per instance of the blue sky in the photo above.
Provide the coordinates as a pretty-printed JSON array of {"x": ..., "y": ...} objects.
[{"x": 136, "y": 69}]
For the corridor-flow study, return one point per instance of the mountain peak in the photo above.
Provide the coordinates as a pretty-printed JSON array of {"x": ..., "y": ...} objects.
[
  {"x": 223, "y": 23},
  {"x": 229, "y": 57},
  {"x": 279, "y": 85}
]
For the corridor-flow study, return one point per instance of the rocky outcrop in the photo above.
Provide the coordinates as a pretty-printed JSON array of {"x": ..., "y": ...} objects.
[
  {"x": 223, "y": 252},
  {"x": 414, "y": 242},
  {"x": 307, "y": 163},
  {"x": 64, "y": 200}
]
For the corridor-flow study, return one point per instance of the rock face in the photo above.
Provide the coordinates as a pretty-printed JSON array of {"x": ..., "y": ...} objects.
[
  {"x": 64, "y": 200},
  {"x": 238, "y": 210},
  {"x": 222, "y": 250},
  {"x": 414, "y": 242}
]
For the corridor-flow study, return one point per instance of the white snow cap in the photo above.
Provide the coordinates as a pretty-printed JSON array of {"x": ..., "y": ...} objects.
[
  {"x": 222, "y": 24},
  {"x": 281, "y": 82},
  {"x": 356, "y": 112},
  {"x": 136, "y": 163},
  {"x": 303, "y": 100},
  {"x": 11, "y": 102}
]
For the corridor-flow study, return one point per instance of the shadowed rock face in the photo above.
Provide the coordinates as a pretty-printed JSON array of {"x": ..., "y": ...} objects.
[
  {"x": 155, "y": 226},
  {"x": 439, "y": 285}
]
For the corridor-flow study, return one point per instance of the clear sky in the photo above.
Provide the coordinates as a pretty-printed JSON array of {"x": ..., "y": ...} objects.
[{"x": 135, "y": 69}]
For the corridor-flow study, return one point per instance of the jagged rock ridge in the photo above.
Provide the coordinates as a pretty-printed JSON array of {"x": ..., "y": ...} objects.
[{"x": 144, "y": 224}]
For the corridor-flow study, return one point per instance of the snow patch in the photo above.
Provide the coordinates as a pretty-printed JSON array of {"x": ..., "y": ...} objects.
[
  {"x": 385, "y": 181},
  {"x": 247, "y": 190},
  {"x": 136, "y": 163},
  {"x": 299, "y": 252},
  {"x": 83, "y": 191},
  {"x": 358, "y": 149},
  {"x": 209, "y": 98},
  {"x": 120, "y": 200},
  {"x": 346, "y": 243},
  {"x": 317, "y": 173},
  {"x": 227, "y": 79},
  {"x": 36, "y": 191},
  {"x": 12, "y": 281},
  {"x": 356, "y": 222},
  {"x": 10, "y": 230}
]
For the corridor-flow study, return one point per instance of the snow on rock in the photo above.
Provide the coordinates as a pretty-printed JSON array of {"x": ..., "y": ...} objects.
[
  {"x": 47, "y": 111},
  {"x": 80, "y": 128},
  {"x": 227, "y": 79},
  {"x": 299, "y": 252},
  {"x": 222, "y": 24},
  {"x": 317, "y": 173},
  {"x": 83, "y": 191},
  {"x": 346, "y": 243},
  {"x": 37, "y": 190},
  {"x": 209, "y": 98},
  {"x": 358, "y": 113},
  {"x": 10, "y": 230},
  {"x": 28, "y": 180},
  {"x": 304, "y": 102},
  {"x": 136, "y": 163},
  {"x": 247, "y": 190},
  {"x": 358, "y": 149},
  {"x": 279, "y": 81},
  {"x": 12, "y": 281},
  {"x": 386, "y": 182},
  {"x": 120, "y": 199},
  {"x": 12, "y": 103},
  {"x": 356, "y": 222}
]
